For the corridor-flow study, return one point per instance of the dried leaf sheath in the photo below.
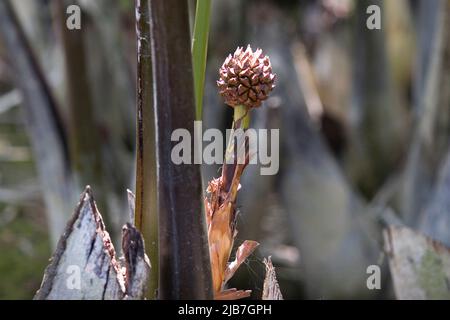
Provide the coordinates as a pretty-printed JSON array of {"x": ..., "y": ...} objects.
[
  {"x": 246, "y": 79},
  {"x": 220, "y": 209},
  {"x": 221, "y": 234}
]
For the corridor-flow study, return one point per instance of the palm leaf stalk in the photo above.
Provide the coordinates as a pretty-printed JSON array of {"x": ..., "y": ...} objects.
[
  {"x": 146, "y": 210},
  {"x": 184, "y": 268}
]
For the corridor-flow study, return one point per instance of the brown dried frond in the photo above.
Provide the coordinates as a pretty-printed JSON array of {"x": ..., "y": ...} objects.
[{"x": 221, "y": 221}]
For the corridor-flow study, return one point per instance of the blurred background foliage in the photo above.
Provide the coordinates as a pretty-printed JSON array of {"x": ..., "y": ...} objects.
[{"x": 363, "y": 117}]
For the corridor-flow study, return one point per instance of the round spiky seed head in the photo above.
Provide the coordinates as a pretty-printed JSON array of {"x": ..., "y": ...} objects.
[{"x": 246, "y": 78}]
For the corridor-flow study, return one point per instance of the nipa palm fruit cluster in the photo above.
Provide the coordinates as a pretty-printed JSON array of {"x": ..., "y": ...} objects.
[{"x": 246, "y": 78}]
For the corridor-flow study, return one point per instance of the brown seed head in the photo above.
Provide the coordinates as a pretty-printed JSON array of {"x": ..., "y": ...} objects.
[{"x": 246, "y": 78}]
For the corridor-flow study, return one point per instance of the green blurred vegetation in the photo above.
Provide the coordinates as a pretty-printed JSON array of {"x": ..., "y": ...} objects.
[
  {"x": 24, "y": 240},
  {"x": 25, "y": 248}
]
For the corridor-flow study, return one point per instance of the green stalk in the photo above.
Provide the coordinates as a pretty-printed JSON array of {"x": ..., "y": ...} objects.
[
  {"x": 199, "y": 51},
  {"x": 241, "y": 113},
  {"x": 146, "y": 210},
  {"x": 241, "y": 120}
]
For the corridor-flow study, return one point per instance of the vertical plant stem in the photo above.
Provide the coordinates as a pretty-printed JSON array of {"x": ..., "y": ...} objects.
[
  {"x": 241, "y": 117},
  {"x": 146, "y": 211},
  {"x": 241, "y": 120},
  {"x": 199, "y": 51},
  {"x": 83, "y": 138},
  {"x": 184, "y": 266}
]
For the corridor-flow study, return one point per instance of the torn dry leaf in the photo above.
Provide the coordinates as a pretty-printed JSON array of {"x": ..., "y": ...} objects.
[
  {"x": 84, "y": 265},
  {"x": 271, "y": 290}
]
